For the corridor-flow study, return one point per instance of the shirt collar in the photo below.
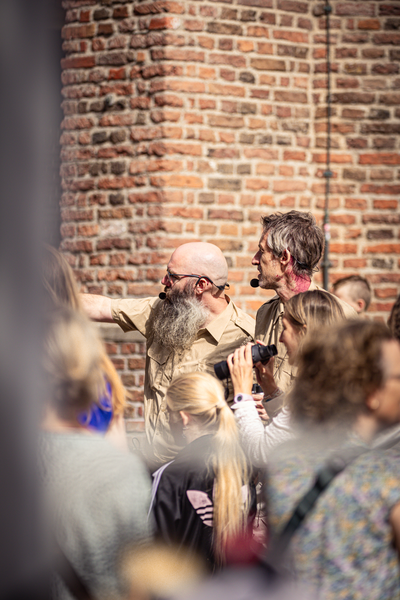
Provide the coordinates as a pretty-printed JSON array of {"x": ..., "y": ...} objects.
[{"x": 218, "y": 325}]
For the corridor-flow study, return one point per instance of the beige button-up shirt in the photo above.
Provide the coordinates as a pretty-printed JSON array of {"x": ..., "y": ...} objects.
[
  {"x": 269, "y": 329},
  {"x": 214, "y": 343}
]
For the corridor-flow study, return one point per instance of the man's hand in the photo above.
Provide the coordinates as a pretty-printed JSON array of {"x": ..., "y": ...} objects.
[
  {"x": 97, "y": 308},
  {"x": 240, "y": 365}
]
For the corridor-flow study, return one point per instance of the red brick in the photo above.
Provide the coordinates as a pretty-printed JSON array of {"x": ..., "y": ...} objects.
[
  {"x": 385, "y": 204},
  {"x": 335, "y": 158},
  {"x": 382, "y": 249},
  {"x": 257, "y": 184},
  {"x": 355, "y": 263},
  {"x": 236, "y": 215},
  {"x": 291, "y": 36},
  {"x": 294, "y": 155},
  {"x": 380, "y": 189},
  {"x": 80, "y": 31},
  {"x": 355, "y": 203},
  {"x": 379, "y": 159},
  {"x": 190, "y": 181},
  {"x": 289, "y": 186},
  {"x": 343, "y": 248},
  {"x": 264, "y": 153},
  {"x": 296, "y": 96},
  {"x": 257, "y": 31},
  {"x": 355, "y": 9},
  {"x": 220, "y": 121},
  {"x": 164, "y": 23},
  {"x": 268, "y": 64},
  {"x": 226, "y": 90},
  {"x": 386, "y": 292},
  {"x": 78, "y": 62},
  {"x": 234, "y": 60}
]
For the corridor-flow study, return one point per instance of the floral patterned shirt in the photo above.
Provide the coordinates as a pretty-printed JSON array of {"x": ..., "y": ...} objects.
[{"x": 344, "y": 548}]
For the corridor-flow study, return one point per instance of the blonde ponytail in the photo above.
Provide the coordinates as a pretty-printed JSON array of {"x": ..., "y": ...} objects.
[{"x": 202, "y": 396}]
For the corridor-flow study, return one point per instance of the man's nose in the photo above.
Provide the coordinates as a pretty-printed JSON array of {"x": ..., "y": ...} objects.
[
  {"x": 165, "y": 280},
  {"x": 256, "y": 259}
]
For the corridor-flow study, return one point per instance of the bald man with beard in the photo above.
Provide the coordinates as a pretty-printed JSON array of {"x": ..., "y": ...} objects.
[{"x": 194, "y": 327}]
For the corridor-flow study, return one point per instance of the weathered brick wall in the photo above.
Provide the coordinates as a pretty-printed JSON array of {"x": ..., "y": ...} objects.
[{"x": 187, "y": 120}]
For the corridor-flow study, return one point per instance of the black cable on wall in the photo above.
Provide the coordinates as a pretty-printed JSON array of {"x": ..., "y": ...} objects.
[{"x": 327, "y": 173}]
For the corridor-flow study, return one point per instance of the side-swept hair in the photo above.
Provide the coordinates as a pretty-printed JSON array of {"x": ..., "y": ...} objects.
[
  {"x": 313, "y": 309},
  {"x": 299, "y": 233},
  {"x": 358, "y": 288},
  {"x": 202, "y": 396},
  {"x": 338, "y": 369}
]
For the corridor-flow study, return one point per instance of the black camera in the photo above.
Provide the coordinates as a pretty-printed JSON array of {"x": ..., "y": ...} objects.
[{"x": 258, "y": 353}]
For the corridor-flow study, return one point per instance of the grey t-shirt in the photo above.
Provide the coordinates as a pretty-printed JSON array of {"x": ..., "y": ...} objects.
[{"x": 98, "y": 502}]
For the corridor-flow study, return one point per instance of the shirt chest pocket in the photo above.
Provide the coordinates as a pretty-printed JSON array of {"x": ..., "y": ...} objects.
[{"x": 159, "y": 366}]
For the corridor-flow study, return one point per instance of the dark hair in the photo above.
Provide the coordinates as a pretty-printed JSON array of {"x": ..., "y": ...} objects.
[
  {"x": 394, "y": 319},
  {"x": 358, "y": 288},
  {"x": 299, "y": 233},
  {"x": 337, "y": 370}
]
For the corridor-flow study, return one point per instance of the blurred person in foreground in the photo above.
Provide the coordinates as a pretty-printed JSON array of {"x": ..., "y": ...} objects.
[
  {"x": 304, "y": 314},
  {"x": 106, "y": 414},
  {"x": 202, "y": 499},
  {"x": 98, "y": 496},
  {"x": 189, "y": 327},
  {"x": 347, "y": 390},
  {"x": 355, "y": 290}
]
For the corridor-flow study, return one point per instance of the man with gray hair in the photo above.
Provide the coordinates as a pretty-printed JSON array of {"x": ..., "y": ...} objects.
[
  {"x": 289, "y": 251},
  {"x": 191, "y": 326}
]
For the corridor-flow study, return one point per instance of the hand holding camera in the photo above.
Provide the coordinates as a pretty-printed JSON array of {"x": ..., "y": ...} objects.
[{"x": 239, "y": 366}]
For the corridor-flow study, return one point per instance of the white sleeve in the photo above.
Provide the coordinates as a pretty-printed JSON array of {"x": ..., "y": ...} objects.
[{"x": 259, "y": 441}]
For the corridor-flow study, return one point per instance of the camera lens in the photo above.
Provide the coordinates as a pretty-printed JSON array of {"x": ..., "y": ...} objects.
[{"x": 258, "y": 353}]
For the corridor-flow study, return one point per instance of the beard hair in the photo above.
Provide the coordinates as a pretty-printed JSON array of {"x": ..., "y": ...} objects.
[{"x": 176, "y": 320}]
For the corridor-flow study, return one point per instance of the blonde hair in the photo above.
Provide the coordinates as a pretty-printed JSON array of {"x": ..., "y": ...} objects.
[
  {"x": 202, "y": 396},
  {"x": 60, "y": 285},
  {"x": 72, "y": 362},
  {"x": 309, "y": 311}
]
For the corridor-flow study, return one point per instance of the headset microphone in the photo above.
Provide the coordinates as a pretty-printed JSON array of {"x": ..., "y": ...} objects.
[
  {"x": 254, "y": 283},
  {"x": 162, "y": 295}
]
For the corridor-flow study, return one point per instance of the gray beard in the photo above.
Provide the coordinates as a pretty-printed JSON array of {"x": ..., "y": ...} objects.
[{"x": 176, "y": 320}]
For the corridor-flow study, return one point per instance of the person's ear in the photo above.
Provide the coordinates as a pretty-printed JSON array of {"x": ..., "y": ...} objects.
[
  {"x": 360, "y": 305},
  {"x": 186, "y": 417},
  {"x": 373, "y": 402},
  {"x": 202, "y": 285},
  {"x": 285, "y": 258}
]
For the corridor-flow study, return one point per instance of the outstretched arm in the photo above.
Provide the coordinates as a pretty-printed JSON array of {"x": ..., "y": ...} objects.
[{"x": 97, "y": 308}]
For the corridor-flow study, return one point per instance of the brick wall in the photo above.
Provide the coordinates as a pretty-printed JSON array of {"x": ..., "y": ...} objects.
[{"x": 187, "y": 120}]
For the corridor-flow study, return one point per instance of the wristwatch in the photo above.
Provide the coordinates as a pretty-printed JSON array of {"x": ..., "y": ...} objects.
[{"x": 242, "y": 398}]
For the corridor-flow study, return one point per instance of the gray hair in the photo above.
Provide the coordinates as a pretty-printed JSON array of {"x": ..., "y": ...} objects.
[{"x": 299, "y": 233}]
